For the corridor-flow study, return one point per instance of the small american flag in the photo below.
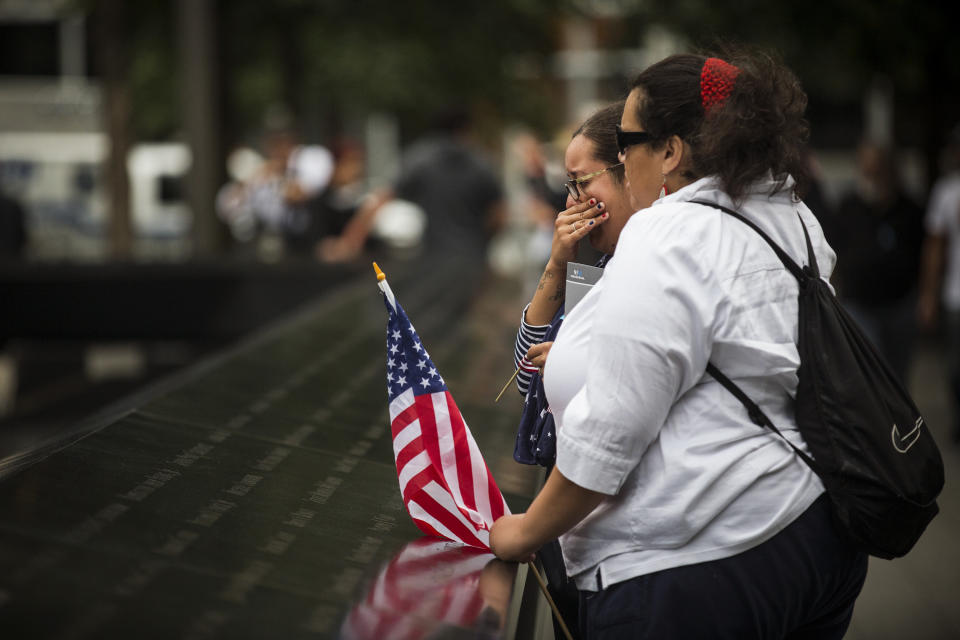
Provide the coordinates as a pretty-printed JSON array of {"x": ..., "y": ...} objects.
[
  {"x": 445, "y": 483},
  {"x": 528, "y": 366}
]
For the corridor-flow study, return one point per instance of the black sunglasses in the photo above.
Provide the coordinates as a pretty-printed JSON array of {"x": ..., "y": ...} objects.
[{"x": 628, "y": 138}]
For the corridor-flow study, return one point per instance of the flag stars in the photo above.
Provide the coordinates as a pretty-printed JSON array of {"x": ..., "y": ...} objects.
[{"x": 408, "y": 363}]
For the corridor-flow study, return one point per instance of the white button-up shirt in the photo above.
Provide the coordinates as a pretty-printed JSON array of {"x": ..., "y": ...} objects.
[{"x": 690, "y": 477}]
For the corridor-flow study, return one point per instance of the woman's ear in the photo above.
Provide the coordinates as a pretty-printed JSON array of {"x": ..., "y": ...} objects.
[{"x": 673, "y": 153}]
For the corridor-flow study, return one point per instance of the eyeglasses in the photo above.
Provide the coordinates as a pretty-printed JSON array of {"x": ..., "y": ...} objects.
[
  {"x": 628, "y": 138},
  {"x": 574, "y": 188}
]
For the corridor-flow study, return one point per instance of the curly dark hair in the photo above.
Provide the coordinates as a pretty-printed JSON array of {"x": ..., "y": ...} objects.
[
  {"x": 758, "y": 130},
  {"x": 600, "y": 129}
]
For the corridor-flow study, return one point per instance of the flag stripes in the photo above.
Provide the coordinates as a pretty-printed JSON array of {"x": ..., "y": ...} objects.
[{"x": 441, "y": 471}]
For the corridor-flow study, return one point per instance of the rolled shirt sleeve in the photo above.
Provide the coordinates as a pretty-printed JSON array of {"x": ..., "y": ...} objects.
[{"x": 651, "y": 334}]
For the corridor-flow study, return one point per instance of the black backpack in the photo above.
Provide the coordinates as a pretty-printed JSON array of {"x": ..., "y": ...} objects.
[{"x": 876, "y": 457}]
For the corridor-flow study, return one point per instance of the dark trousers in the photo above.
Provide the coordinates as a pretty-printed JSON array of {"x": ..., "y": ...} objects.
[
  {"x": 562, "y": 589},
  {"x": 800, "y": 584}
]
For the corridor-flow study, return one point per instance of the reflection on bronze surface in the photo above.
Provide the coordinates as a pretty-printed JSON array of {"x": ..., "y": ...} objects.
[{"x": 430, "y": 586}]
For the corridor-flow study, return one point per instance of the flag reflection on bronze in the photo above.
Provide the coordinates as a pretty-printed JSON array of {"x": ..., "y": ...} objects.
[{"x": 432, "y": 584}]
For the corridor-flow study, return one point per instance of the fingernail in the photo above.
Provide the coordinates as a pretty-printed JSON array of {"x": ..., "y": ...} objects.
[
  {"x": 600, "y": 206},
  {"x": 605, "y": 216},
  {"x": 590, "y": 224},
  {"x": 593, "y": 201}
]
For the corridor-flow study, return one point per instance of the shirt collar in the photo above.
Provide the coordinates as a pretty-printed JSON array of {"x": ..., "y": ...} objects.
[{"x": 710, "y": 189}]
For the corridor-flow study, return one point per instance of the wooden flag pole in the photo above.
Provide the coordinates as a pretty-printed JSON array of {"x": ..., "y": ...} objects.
[
  {"x": 553, "y": 605},
  {"x": 508, "y": 384}
]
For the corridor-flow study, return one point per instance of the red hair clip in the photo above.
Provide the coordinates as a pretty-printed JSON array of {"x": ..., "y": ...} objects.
[{"x": 716, "y": 82}]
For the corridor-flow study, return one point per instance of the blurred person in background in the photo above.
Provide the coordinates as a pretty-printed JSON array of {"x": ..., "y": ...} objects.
[
  {"x": 451, "y": 182},
  {"x": 940, "y": 277},
  {"x": 878, "y": 232},
  {"x": 13, "y": 243},
  {"x": 815, "y": 196},
  {"x": 339, "y": 201},
  {"x": 536, "y": 175},
  {"x": 678, "y": 517},
  {"x": 597, "y": 207},
  {"x": 232, "y": 202},
  {"x": 541, "y": 203},
  {"x": 274, "y": 199},
  {"x": 13, "y": 228}
]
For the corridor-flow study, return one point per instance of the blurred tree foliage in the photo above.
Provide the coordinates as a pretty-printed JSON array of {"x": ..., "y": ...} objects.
[
  {"x": 329, "y": 62},
  {"x": 835, "y": 46},
  {"x": 839, "y": 47}
]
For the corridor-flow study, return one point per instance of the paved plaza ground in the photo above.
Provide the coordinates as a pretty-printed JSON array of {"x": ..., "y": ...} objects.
[{"x": 916, "y": 597}]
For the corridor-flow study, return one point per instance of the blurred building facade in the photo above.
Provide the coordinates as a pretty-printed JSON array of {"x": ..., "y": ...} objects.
[{"x": 53, "y": 143}]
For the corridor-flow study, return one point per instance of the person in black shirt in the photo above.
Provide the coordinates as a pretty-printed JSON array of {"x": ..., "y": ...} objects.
[
  {"x": 878, "y": 231},
  {"x": 457, "y": 189},
  {"x": 13, "y": 228}
]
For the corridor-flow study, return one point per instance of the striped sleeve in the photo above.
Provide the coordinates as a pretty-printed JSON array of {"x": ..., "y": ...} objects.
[{"x": 527, "y": 336}]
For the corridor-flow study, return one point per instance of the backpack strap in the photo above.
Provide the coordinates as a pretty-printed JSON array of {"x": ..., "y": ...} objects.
[
  {"x": 812, "y": 266},
  {"x": 757, "y": 416}
]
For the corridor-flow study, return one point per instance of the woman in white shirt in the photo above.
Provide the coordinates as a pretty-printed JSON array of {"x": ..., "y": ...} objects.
[{"x": 679, "y": 517}]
